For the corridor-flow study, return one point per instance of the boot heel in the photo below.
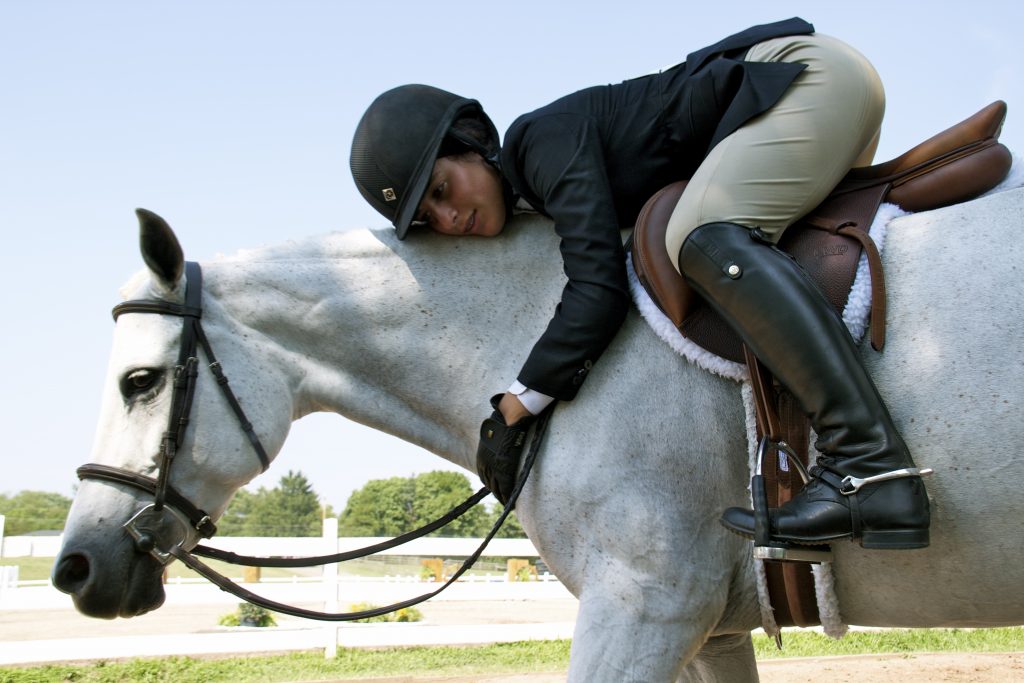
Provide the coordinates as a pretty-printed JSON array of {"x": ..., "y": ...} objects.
[{"x": 895, "y": 539}]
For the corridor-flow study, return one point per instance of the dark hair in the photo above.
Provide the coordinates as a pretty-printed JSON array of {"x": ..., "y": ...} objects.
[{"x": 469, "y": 134}]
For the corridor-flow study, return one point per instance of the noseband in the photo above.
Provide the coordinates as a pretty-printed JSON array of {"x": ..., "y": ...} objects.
[{"x": 163, "y": 527}]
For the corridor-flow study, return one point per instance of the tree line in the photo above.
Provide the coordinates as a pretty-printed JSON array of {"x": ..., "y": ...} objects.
[
  {"x": 389, "y": 507},
  {"x": 30, "y": 511},
  {"x": 382, "y": 507}
]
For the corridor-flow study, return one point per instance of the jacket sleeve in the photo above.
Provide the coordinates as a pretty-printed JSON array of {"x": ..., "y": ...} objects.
[{"x": 561, "y": 161}]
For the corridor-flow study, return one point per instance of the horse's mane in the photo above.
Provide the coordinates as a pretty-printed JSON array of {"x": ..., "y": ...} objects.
[
  {"x": 317, "y": 247},
  {"x": 331, "y": 245}
]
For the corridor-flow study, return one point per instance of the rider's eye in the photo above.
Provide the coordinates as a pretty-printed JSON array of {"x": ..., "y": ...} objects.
[{"x": 138, "y": 382}]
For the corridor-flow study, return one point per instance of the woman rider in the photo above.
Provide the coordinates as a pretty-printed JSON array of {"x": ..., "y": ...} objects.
[{"x": 763, "y": 125}]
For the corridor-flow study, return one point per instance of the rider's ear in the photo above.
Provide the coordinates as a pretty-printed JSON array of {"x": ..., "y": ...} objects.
[{"x": 160, "y": 249}]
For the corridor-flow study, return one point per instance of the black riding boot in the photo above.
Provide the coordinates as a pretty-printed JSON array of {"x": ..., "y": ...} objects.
[{"x": 784, "y": 319}]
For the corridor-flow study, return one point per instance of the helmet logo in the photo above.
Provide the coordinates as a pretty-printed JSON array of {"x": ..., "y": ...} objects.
[{"x": 389, "y": 194}]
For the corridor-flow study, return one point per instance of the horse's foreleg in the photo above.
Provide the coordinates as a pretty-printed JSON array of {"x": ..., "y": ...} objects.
[
  {"x": 723, "y": 659},
  {"x": 639, "y": 630}
]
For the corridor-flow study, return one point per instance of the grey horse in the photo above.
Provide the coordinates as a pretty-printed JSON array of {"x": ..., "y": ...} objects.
[{"x": 409, "y": 337}]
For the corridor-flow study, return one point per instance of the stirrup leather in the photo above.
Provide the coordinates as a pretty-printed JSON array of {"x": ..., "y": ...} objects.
[{"x": 764, "y": 547}]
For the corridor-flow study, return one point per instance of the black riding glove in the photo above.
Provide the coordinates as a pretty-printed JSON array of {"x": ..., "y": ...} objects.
[{"x": 497, "y": 456}]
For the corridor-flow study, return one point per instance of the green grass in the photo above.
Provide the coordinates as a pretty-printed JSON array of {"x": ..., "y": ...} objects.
[
  {"x": 30, "y": 568},
  {"x": 541, "y": 656},
  {"x": 813, "y": 644},
  {"x": 454, "y": 661}
]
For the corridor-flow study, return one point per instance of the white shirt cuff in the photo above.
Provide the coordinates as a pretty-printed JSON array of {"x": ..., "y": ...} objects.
[{"x": 534, "y": 401}]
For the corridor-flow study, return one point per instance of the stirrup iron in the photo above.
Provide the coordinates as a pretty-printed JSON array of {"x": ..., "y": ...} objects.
[
  {"x": 764, "y": 547},
  {"x": 784, "y": 552}
]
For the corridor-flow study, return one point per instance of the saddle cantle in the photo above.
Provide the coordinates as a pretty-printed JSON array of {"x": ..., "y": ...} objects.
[{"x": 958, "y": 164}]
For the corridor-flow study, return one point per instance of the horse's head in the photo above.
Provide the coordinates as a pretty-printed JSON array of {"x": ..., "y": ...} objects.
[{"x": 160, "y": 438}]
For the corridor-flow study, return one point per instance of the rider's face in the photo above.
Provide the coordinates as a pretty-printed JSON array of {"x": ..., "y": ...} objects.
[{"x": 464, "y": 197}]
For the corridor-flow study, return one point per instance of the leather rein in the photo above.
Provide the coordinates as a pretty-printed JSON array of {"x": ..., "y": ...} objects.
[{"x": 164, "y": 527}]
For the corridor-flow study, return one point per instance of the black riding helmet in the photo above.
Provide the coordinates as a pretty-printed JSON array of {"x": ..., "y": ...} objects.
[{"x": 398, "y": 140}]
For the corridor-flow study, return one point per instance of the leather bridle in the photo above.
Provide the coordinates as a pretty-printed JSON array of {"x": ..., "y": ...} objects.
[
  {"x": 164, "y": 527},
  {"x": 182, "y": 393}
]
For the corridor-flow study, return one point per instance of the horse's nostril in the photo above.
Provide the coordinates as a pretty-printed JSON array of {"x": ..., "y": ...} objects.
[{"x": 71, "y": 572}]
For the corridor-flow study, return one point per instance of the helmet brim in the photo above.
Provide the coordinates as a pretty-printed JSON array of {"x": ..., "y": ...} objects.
[{"x": 425, "y": 166}]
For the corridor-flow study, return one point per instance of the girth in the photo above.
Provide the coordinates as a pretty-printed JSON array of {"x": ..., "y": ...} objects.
[{"x": 956, "y": 165}]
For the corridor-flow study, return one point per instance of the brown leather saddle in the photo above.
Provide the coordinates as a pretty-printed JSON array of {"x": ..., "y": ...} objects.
[{"x": 956, "y": 165}]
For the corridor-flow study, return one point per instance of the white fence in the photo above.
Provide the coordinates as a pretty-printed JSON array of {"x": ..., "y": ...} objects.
[
  {"x": 30, "y": 546},
  {"x": 49, "y": 546},
  {"x": 8, "y": 580},
  {"x": 326, "y": 588}
]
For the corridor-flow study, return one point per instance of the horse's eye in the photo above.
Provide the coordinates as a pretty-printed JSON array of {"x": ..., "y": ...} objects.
[{"x": 139, "y": 381}]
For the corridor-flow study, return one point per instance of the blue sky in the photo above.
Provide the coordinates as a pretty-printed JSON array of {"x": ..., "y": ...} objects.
[{"x": 233, "y": 120}]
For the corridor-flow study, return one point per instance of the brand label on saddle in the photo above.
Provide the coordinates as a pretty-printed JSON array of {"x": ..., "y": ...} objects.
[{"x": 833, "y": 250}]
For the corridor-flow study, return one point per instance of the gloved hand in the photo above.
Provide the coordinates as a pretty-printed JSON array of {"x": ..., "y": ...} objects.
[{"x": 497, "y": 456}]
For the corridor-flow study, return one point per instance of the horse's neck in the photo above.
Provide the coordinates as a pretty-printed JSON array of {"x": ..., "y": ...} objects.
[{"x": 409, "y": 344}]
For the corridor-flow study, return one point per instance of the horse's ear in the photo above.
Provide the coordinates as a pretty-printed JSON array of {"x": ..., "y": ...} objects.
[{"x": 160, "y": 249}]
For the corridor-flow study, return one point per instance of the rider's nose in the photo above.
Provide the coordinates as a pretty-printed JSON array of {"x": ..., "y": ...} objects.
[{"x": 450, "y": 217}]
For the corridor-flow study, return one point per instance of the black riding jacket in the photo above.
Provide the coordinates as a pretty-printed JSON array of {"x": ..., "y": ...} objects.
[{"x": 591, "y": 160}]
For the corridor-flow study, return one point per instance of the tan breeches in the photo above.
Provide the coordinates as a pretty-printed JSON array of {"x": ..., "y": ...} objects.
[{"x": 784, "y": 162}]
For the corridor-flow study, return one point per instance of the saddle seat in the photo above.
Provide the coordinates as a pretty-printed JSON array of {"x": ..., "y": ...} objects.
[{"x": 956, "y": 165}]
